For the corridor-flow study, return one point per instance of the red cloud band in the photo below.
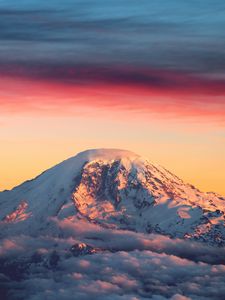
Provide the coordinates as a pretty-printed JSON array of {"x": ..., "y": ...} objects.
[{"x": 147, "y": 91}]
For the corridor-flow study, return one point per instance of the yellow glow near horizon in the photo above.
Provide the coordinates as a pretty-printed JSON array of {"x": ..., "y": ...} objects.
[{"x": 29, "y": 145}]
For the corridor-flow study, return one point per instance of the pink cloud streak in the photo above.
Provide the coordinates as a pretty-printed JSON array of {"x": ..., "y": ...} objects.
[{"x": 174, "y": 95}]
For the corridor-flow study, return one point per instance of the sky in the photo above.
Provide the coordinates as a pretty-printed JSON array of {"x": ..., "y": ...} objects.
[{"x": 147, "y": 76}]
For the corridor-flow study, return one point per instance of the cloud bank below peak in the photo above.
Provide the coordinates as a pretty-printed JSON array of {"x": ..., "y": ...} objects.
[{"x": 129, "y": 266}]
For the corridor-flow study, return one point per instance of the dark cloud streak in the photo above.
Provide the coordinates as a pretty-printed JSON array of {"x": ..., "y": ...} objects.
[
  {"x": 166, "y": 35},
  {"x": 147, "y": 78}
]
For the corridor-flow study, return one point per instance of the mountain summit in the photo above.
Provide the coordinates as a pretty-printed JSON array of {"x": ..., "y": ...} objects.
[{"x": 116, "y": 189}]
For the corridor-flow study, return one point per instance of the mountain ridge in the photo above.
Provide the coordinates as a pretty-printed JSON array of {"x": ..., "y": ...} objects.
[{"x": 118, "y": 189}]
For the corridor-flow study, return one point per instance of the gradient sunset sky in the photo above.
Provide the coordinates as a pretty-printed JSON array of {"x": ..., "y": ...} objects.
[{"x": 147, "y": 76}]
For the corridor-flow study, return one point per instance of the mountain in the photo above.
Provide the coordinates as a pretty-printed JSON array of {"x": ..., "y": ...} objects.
[{"x": 116, "y": 189}]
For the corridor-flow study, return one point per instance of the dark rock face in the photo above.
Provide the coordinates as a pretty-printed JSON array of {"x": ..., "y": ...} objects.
[
  {"x": 142, "y": 197},
  {"x": 83, "y": 249}
]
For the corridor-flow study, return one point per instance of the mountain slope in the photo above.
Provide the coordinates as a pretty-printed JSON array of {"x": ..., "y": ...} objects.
[{"x": 117, "y": 189}]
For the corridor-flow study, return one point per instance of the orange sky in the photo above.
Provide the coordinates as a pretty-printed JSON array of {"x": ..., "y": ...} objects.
[
  {"x": 43, "y": 122},
  {"x": 148, "y": 78}
]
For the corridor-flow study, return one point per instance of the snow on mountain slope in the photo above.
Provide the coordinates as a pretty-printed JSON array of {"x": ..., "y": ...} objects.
[{"x": 117, "y": 189}]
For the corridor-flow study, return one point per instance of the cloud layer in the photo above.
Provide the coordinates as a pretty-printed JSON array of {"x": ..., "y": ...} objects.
[
  {"x": 177, "y": 35},
  {"x": 129, "y": 266},
  {"x": 158, "y": 58}
]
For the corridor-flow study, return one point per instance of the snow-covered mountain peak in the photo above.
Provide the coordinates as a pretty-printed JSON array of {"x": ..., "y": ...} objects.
[
  {"x": 127, "y": 158},
  {"x": 106, "y": 154},
  {"x": 115, "y": 188}
]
